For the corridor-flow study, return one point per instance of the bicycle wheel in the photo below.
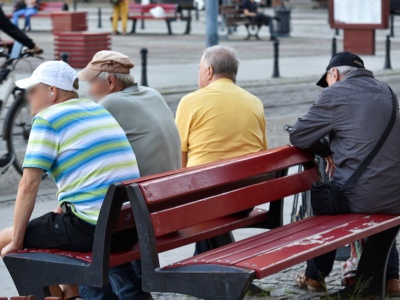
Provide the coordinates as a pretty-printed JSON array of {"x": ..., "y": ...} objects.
[{"x": 18, "y": 127}]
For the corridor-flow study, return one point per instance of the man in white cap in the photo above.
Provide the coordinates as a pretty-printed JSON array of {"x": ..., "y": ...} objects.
[
  {"x": 150, "y": 127},
  {"x": 83, "y": 149}
]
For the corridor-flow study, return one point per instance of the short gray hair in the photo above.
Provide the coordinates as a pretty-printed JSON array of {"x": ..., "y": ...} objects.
[
  {"x": 224, "y": 61},
  {"x": 343, "y": 70},
  {"x": 126, "y": 80}
]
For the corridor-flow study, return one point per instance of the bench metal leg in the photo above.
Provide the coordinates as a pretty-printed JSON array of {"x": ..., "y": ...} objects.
[
  {"x": 188, "y": 25},
  {"x": 27, "y": 287},
  {"x": 370, "y": 278},
  {"x": 210, "y": 282},
  {"x": 133, "y": 26},
  {"x": 169, "y": 26}
]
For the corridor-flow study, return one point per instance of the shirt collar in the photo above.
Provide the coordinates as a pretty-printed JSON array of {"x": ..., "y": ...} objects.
[
  {"x": 359, "y": 73},
  {"x": 131, "y": 89},
  {"x": 220, "y": 81}
]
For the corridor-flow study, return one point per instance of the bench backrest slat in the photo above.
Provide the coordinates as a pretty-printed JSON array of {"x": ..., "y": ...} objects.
[
  {"x": 173, "y": 219},
  {"x": 51, "y": 6},
  {"x": 216, "y": 178},
  {"x": 145, "y": 8}
]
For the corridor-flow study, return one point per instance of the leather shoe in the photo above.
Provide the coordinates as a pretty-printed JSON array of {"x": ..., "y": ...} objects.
[
  {"x": 311, "y": 284},
  {"x": 393, "y": 287}
]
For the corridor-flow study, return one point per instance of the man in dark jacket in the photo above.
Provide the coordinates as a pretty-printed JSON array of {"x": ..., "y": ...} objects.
[{"x": 344, "y": 125}]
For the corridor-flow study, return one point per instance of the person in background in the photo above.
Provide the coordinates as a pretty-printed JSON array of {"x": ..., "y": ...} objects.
[
  {"x": 82, "y": 155},
  {"x": 17, "y": 34},
  {"x": 343, "y": 126},
  {"x": 14, "y": 32},
  {"x": 220, "y": 120},
  {"x": 150, "y": 127},
  {"x": 251, "y": 10},
  {"x": 120, "y": 11},
  {"x": 31, "y": 8}
]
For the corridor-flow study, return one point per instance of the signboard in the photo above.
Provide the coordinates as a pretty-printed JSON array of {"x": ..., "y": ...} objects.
[{"x": 359, "y": 14}]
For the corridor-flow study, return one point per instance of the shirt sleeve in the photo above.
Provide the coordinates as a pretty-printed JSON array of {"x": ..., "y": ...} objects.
[
  {"x": 183, "y": 120},
  {"x": 310, "y": 131},
  {"x": 42, "y": 146}
]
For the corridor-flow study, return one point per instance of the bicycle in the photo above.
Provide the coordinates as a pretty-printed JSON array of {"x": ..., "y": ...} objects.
[{"x": 18, "y": 120}]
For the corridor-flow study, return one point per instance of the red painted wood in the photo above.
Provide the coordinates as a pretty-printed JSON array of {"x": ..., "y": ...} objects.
[
  {"x": 145, "y": 9},
  {"x": 175, "y": 240},
  {"x": 329, "y": 240},
  {"x": 183, "y": 216},
  {"x": 224, "y": 172},
  {"x": 271, "y": 252}
]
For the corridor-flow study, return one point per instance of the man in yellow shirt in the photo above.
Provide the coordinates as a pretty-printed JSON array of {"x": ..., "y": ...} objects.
[{"x": 220, "y": 120}]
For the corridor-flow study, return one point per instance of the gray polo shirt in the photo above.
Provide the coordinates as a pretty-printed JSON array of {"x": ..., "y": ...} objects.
[
  {"x": 353, "y": 113},
  {"x": 150, "y": 127}
]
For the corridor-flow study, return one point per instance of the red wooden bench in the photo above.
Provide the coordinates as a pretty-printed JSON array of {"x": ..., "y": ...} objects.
[
  {"x": 46, "y": 9},
  {"x": 207, "y": 202},
  {"x": 173, "y": 12}
]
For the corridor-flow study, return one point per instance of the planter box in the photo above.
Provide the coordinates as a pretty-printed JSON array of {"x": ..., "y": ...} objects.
[
  {"x": 81, "y": 46},
  {"x": 69, "y": 21}
]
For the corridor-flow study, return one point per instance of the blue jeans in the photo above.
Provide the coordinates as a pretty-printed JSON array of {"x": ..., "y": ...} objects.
[
  {"x": 125, "y": 284},
  {"x": 27, "y": 12}
]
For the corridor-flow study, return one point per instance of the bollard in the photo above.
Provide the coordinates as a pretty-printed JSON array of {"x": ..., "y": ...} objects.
[
  {"x": 391, "y": 25},
  {"x": 99, "y": 25},
  {"x": 143, "y": 53},
  {"x": 275, "y": 73},
  {"x": 388, "y": 65},
  {"x": 65, "y": 57},
  {"x": 334, "y": 47}
]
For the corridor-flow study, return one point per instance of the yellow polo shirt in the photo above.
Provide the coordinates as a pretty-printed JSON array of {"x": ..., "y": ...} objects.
[{"x": 220, "y": 121}]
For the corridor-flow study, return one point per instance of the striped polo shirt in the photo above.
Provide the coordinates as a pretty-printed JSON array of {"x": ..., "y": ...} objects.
[{"x": 84, "y": 150}]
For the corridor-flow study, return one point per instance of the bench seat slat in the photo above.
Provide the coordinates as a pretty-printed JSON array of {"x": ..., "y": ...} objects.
[
  {"x": 272, "y": 236},
  {"x": 168, "y": 242},
  {"x": 297, "y": 252},
  {"x": 173, "y": 219},
  {"x": 267, "y": 253}
]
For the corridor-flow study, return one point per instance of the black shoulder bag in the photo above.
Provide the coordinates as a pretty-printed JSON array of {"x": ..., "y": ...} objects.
[{"x": 327, "y": 198}]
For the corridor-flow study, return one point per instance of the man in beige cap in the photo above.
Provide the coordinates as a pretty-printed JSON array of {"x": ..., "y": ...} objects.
[{"x": 150, "y": 127}]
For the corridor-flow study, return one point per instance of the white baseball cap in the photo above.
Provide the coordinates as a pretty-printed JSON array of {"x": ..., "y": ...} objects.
[{"x": 53, "y": 73}]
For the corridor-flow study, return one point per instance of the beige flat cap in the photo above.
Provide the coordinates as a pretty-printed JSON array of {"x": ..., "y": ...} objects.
[{"x": 106, "y": 61}]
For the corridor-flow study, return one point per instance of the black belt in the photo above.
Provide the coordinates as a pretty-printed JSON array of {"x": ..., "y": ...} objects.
[{"x": 66, "y": 207}]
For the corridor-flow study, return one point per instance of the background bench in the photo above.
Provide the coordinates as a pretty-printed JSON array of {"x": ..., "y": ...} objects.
[
  {"x": 233, "y": 17},
  {"x": 207, "y": 202},
  {"x": 46, "y": 9},
  {"x": 173, "y": 12}
]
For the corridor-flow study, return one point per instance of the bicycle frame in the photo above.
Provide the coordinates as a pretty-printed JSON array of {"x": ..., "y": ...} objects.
[{"x": 9, "y": 88}]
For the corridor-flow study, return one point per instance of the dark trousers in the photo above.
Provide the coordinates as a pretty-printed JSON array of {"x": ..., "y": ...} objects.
[
  {"x": 261, "y": 19},
  {"x": 13, "y": 31},
  {"x": 125, "y": 284},
  {"x": 320, "y": 267}
]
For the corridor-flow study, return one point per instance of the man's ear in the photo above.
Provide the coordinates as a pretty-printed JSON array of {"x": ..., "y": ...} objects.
[
  {"x": 112, "y": 82},
  {"x": 53, "y": 94},
  {"x": 210, "y": 74},
  {"x": 336, "y": 75}
]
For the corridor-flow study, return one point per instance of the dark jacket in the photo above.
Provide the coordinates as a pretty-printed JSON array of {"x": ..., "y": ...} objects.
[{"x": 352, "y": 114}]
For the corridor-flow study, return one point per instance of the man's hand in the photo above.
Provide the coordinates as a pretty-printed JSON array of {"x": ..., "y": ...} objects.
[
  {"x": 11, "y": 247},
  {"x": 58, "y": 210},
  {"x": 330, "y": 166}
]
